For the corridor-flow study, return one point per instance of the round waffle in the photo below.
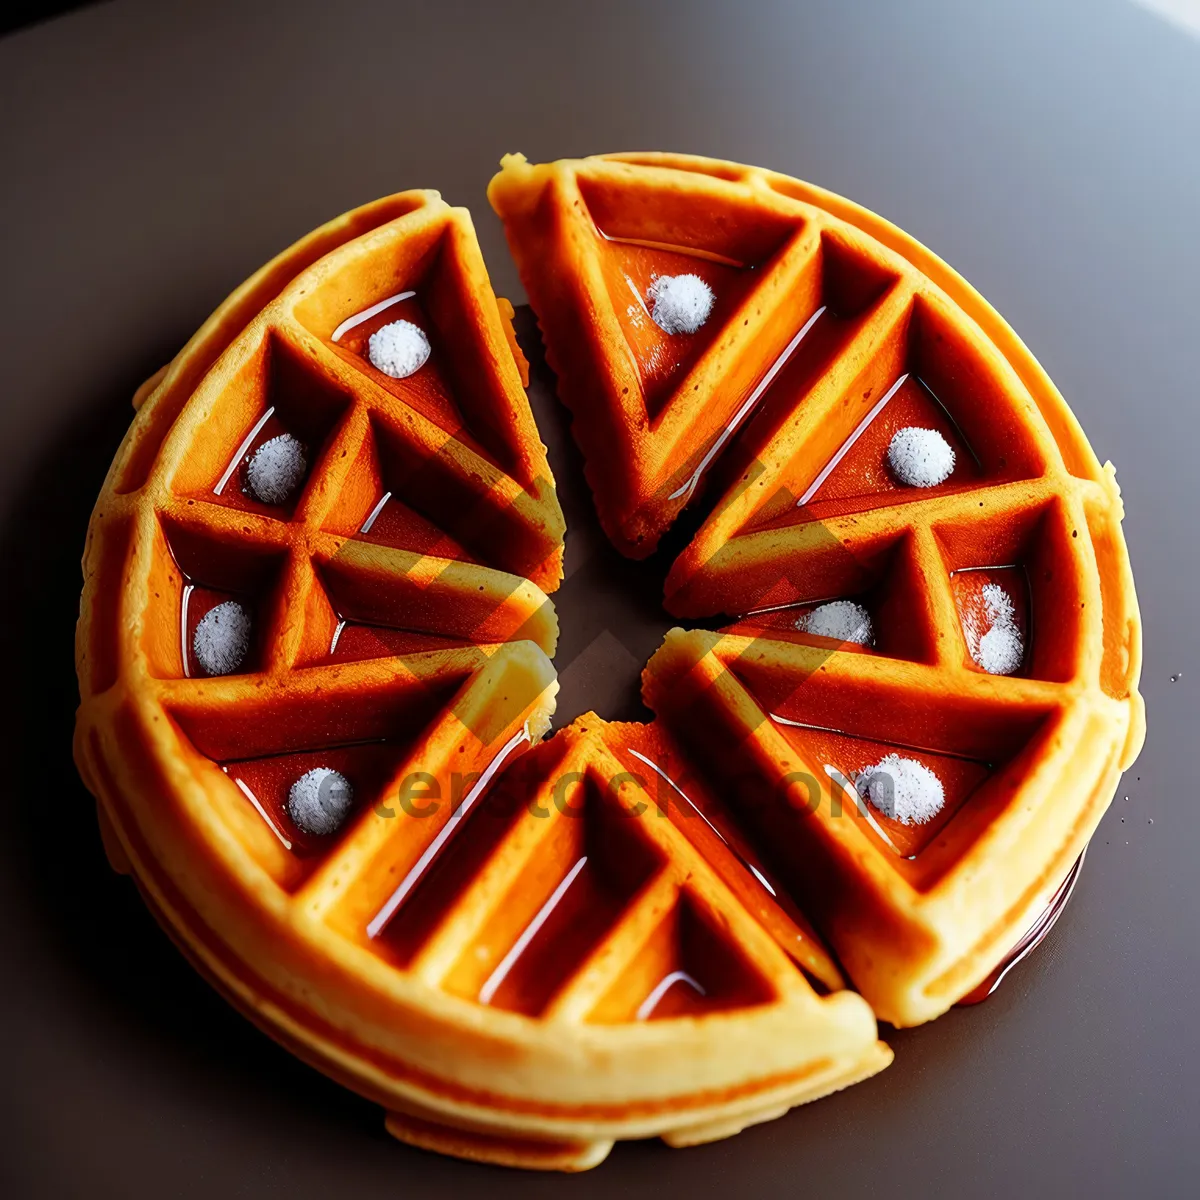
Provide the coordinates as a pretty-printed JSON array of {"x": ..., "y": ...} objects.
[{"x": 314, "y": 635}]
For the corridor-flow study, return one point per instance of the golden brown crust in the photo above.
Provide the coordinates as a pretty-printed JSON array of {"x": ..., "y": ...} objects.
[{"x": 447, "y": 1017}]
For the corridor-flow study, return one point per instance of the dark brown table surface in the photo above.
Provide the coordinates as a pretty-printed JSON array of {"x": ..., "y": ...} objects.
[{"x": 154, "y": 154}]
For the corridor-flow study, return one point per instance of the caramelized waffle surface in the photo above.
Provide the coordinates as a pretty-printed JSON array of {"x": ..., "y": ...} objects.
[
  {"x": 830, "y": 332},
  {"x": 312, "y": 560},
  {"x": 306, "y": 567}
]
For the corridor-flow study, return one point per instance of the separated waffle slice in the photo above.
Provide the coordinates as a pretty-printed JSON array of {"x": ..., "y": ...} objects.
[
  {"x": 633, "y": 985},
  {"x": 560, "y": 909},
  {"x": 277, "y": 410},
  {"x": 800, "y": 415},
  {"x": 924, "y": 815},
  {"x": 663, "y": 296}
]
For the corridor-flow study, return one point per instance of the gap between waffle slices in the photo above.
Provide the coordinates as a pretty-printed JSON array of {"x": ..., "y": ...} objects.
[{"x": 314, "y": 638}]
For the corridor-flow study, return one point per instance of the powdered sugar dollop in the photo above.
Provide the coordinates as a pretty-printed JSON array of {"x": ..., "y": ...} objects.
[
  {"x": 902, "y": 788},
  {"x": 920, "y": 457},
  {"x": 999, "y": 649},
  {"x": 320, "y": 800},
  {"x": 222, "y": 638},
  {"x": 399, "y": 349},
  {"x": 842, "y": 620},
  {"x": 276, "y": 470},
  {"x": 681, "y": 303}
]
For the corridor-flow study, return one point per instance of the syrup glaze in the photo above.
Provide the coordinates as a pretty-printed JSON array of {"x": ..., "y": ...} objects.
[
  {"x": 1032, "y": 938},
  {"x": 266, "y": 782},
  {"x": 391, "y": 522},
  {"x": 563, "y": 904},
  {"x": 582, "y": 908},
  {"x": 454, "y": 825},
  {"x": 779, "y": 624},
  {"x": 281, "y": 393},
  {"x": 858, "y": 471},
  {"x": 662, "y": 1002},
  {"x": 845, "y": 756},
  {"x": 629, "y": 268},
  {"x": 748, "y": 407},
  {"x": 687, "y": 967},
  {"x": 195, "y": 602},
  {"x": 825, "y": 335},
  {"x": 428, "y": 389},
  {"x": 354, "y": 641},
  {"x": 232, "y": 487},
  {"x": 703, "y": 821}
]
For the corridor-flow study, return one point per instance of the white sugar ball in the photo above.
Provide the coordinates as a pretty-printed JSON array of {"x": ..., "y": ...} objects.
[
  {"x": 276, "y": 470},
  {"x": 920, "y": 457},
  {"x": 903, "y": 789},
  {"x": 399, "y": 349},
  {"x": 840, "y": 619},
  {"x": 1001, "y": 650},
  {"x": 222, "y": 638},
  {"x": 320, "y": 800},
  {"x": 681, "y": 302}
]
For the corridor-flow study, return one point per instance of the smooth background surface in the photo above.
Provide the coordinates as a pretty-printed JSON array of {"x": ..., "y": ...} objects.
[{"x": 154, "y": 155}]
